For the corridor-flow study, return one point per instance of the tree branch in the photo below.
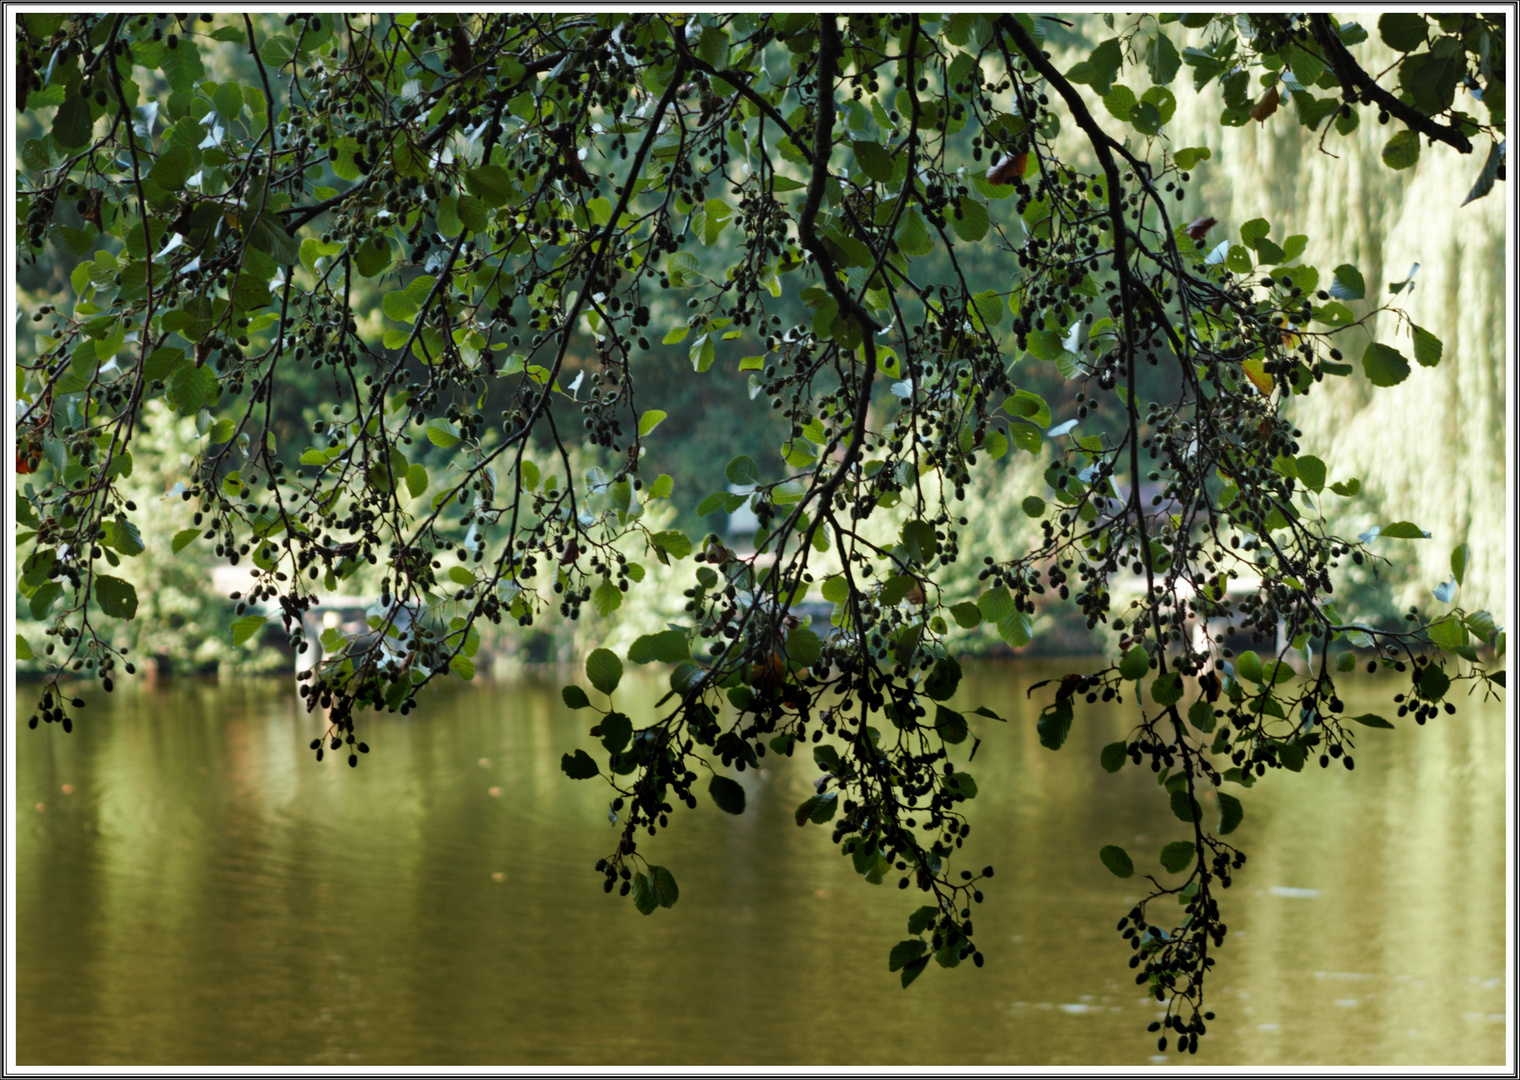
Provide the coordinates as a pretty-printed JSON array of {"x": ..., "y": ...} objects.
[{"x": 1354, "y": 79}]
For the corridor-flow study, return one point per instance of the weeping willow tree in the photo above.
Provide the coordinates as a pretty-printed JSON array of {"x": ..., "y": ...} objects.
[
  {"x": 1438, "y": 450},
  {"x": 911, "y": 223}
]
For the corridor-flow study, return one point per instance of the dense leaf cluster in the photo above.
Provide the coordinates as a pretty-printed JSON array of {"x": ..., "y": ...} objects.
[{"x": 526, "y": 197}]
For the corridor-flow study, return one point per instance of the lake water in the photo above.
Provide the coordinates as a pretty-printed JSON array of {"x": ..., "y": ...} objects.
[{"x": 192, "y": 888}]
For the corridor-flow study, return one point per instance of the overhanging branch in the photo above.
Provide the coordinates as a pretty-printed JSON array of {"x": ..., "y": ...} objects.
[{"x": 1354, "y": 79}]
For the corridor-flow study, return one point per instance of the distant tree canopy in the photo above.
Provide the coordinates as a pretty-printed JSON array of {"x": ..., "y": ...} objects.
[{"x": 426, "y": 224}]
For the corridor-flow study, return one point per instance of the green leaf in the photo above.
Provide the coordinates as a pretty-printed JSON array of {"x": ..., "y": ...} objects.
[
  {"x": 1372, "y": 720},
  {"x": 1433, "y": 683},
  {"x": 673, "y": 542},
  {"x": 650, "y": 420},
  {"x": 905, "y": 952},
  {"x": 1167, "y": 689},
  {"x": 72, "y": 123},
  {"x": 1033, "y": 506},
  {"x": 604, "y": 670},
  {"x": 416, "y": 480},
  {"x": 1404, "y": 530},
  {"x": 717, "y": 215},
  {"x": 182, "y": 66},
  {"x": 913, "y": 970},
  {"x": 1449, "y": 633},
  {"x": 446, "y": 211},
  {"x": 615, "y": 731},
  {"x": 966, "y": 615},
  {"x": 728, "y": 794},
  {"x": 666, "y": 647},
  {"x": 1177, "y": 856},
  {"x": 1348, "y": 283},
  {"x": 819, "y": 809},
  {"x": 1135, "y": 664},
  {"x": 579, "y": 767},
  {"x": 373, "y": 256},
  {"x": 742, "y": 470},
  {"x": 961, "y": 783},
  {"x": 971, "y": 223},
  {"x": 1164, "y": 62},
  {"x": 489, "y": 183},
  {"x": 24, "y": 649},
  {"x": 1482, "y": 625},
  {"x": 950, "y": 725},
  {"x": 1427, "y": 347},
  {"x": 1481, "y": 187},
  {"x": 606, "y": 598},
  {"x": 172, "y": 168},
  {"x": 1403, "y": 31},
  {"x": 1184, "y": 806},
  {"x": 1402, "y": 151},
  {"x": 442, "y": 433},
  {"x": 1045, "y": 345},
  {"x": 574, "y": 697},
  {"x": 1100, "y": 67},
  {"x": 117, "y": 598},
  {"x": 1028, "y": 406},
  {"x": 803, "y": 646},
  {"x": 1311, "y": 470},
  {"x": 664, "y": 886},
  {"x": 1189, "y": 156},
  {"x": 1016, "y": 629},
  {"x": 1459, "y": 559},
  {"x": 1252, "y": 231},
  {"x": 919, "y": 921},
  {"x": 246, "y": 627},
  {"x": 1384, "y": 365},
  {"x": 192, "y": 389},
  {"x": 995, "y": 604},
  {"x": 1248, "y": 664},
  {"x": 1117, "y": 860},
  {"x": 228, "y": 99},
  {"x": 645, "y": 896},
  {"x": 875, "y": 162},
  {"x": 399, "y": 305},
  {"x": 182, "y": 539},
  {"x": 1114, "y": 756},
  {"x": 1120, "y": 102},
  {"x": 35, "y": 157},
  {"x": 42, "y": 600},
  {"x": 269, "y": 236},
  {"x": 943, "y": 679},
  {"x": 1230, "y": 813},
  {"x": 123, "y": 536},
  {"x": 1055, "y": 724}
]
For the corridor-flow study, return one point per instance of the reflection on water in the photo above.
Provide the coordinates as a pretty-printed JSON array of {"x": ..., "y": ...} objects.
[{"x": 192, "y": 888}]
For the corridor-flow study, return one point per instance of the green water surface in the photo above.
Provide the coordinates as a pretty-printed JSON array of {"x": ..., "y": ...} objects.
[{"x": 192, "y": 888}]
